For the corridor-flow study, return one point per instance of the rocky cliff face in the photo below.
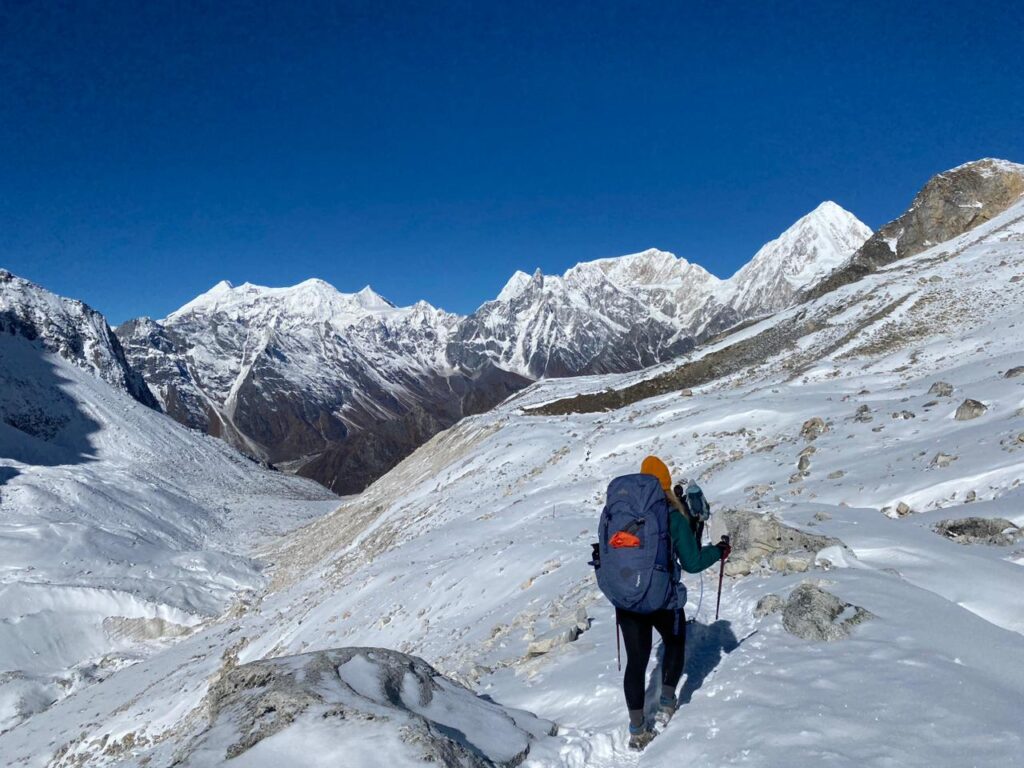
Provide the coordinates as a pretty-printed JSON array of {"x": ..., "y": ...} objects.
[
  {"x": 70, "y": 328},
  {"x": 950, "y": 204}
]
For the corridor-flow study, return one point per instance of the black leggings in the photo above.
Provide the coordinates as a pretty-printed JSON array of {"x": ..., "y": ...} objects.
[{"x": 636, "y": 634}]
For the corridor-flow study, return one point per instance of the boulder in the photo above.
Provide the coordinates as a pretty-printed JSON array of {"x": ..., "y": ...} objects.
[
  {"x": 804, "y": 463},
  {"x": 1015, "y": 372},
  {"x": 980, "y": 530},
  {"x": 903, "y": 509},
  {"x": 811, "y": 613},
  {"x": 367, "y": 695},
  {"x": 759, "y": 539},
  {"x": 943, "y": 459},
  {"x": 941, "y": 389},
  {"x": 970, "y": 409},
  {"x": 863, "y": 414}
]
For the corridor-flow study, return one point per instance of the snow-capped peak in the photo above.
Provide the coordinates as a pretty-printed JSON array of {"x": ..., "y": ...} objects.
[
  {"x": 311, "y": 299},
  {"x": 812, "y": 247}
]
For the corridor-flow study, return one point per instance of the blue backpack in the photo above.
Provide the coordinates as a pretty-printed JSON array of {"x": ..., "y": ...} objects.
[{"x": 636, "y": 568}]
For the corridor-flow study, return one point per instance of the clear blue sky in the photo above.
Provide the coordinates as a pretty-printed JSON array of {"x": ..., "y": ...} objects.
[{"x": 432, "y": 148}]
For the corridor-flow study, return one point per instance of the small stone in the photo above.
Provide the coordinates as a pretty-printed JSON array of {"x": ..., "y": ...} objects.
[
  {"x": 804, "y": 463},
  {"x": 903, "y": 509},
  {"x": 808, "y": 450},
  {"x": 768, "y": 605},
  {"x": 836, "y": 475},
  {"x": 1014, "y": 372},
  {"x": 970, "y": 409},
  {"x": 943, "y": 459},
  {"x": 863, "y": 414},
  {"x": 686, "y": 392},
  {"x": 813, "y": 428},
  {"x": 930, "y": 404},
  {"x": 822, "y": 516},
  {"x": 796, "y": 477},
  {"x": 1020, "y": 437},
  {"x": 971, "y": 496},
  {"x": 941, "y": 389},
  {"x": 904, "y": 415}
]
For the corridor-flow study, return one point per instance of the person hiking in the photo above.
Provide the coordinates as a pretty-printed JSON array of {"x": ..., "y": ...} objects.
[{"x": 647, "y": 533}]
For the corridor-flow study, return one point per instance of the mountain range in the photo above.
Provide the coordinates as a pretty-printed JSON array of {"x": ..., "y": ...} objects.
[{"x": 339, "y": 387}]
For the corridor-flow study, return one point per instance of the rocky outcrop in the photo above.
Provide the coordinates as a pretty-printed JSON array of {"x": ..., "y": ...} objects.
[
  {"x": 811, "y": 613},
  {"x": 980, "y": 530},
  {"x": 364, "y": 695},
  {"x": 763, "y": 542},
  {"x": 950, "y": 204}
]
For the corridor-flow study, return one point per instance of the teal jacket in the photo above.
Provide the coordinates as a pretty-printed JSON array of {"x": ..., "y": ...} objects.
[{"x": 693, "y": 558}]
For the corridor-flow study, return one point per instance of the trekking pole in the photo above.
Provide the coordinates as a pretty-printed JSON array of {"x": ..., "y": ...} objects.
[{"x": 721, "y": 573}]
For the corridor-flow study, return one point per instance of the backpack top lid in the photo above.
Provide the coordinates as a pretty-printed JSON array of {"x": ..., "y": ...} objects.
[{"x": 640, "y": 489}]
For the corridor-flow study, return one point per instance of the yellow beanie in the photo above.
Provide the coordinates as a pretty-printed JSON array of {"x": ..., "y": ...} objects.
[{"x": 652, "y": 465}]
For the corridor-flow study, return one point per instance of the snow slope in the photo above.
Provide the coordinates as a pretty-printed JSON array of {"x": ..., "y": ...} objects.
[
  {"x": 119, "y": 529},
  {"x": 474, "y": 549}
]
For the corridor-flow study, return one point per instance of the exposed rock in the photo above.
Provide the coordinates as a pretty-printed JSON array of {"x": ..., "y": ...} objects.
[
  {"x": 836, "y": 475},
  {"x": 822, "y": 516},
  {"x": 950, "y": 204},
  {"x": 930, "y": 404},
  {"x": 1014, "y": 372},
  {"x": 813, "y": 428},
  {"x": 941, "y": 389},
  {"x": 811, "y": 613},
  {"x": 943, "y": 459},
  {"x": 804, "y": 463},
  {"x": 980, "y": 530},
  {"x": 551, "y": 640},
  {"x": 789, "y": 564},
  {"x": 863, "y": 414},
  {"x": 768, "y": 605},
  {"x": 970, "y": 409},
  {"x": 903, "y": 415},
  {"x": 970, "y": 497},
  {"x": 903, "y": 509},
  {"x": 758, "y": 539},
  {"x": 361, "y": 689}
]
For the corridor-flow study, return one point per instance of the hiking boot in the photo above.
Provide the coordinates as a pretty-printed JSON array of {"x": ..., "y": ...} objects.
[
  {"x": 640, "y": 737},
  {"x": 666, "y": 708}
]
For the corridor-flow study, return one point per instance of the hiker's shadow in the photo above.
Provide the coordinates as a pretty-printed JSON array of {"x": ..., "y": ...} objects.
[{"x": 706, "y": 645}]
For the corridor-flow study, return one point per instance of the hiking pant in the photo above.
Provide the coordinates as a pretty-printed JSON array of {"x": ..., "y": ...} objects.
[{"x": 637, "y": 637}]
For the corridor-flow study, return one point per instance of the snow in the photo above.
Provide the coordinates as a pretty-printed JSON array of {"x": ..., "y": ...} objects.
[{"x": 119, "y": 529}]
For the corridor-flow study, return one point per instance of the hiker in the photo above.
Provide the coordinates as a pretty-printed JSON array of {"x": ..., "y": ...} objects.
[{"x": 647, "y": 533}]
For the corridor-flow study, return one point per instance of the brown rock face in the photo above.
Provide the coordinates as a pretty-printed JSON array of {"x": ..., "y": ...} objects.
[{"x": 950, "y": 204}]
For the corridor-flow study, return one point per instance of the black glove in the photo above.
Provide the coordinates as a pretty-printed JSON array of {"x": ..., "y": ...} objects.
[{"x": 724, "y": 547}]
